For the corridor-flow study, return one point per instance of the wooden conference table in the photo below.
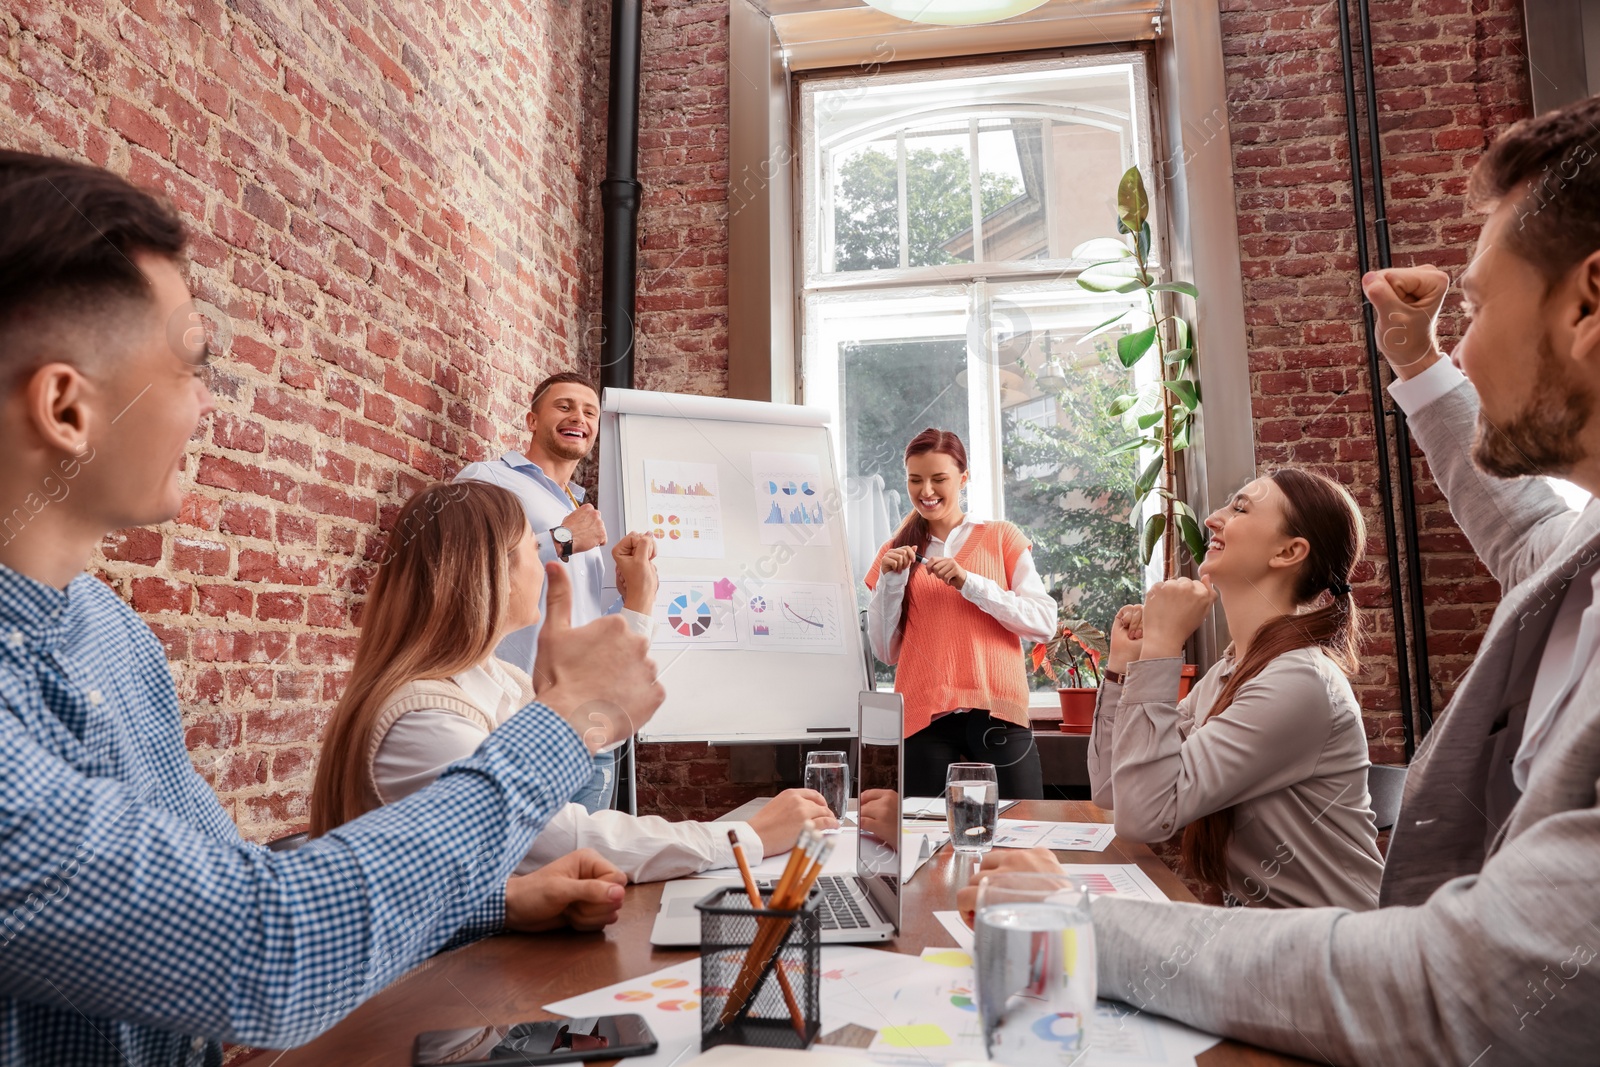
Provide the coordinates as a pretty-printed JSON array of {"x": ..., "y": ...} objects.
[{"x": 505, "y": 979}]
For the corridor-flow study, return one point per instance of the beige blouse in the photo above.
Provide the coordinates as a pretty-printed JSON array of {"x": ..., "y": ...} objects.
[{"x": 1289, "y": 755}]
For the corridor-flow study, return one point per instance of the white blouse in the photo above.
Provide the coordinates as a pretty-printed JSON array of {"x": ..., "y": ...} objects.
[{"x": 646, "y": 848}]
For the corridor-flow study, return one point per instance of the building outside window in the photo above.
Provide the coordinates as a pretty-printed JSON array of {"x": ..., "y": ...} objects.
[{"x": 946, "y": 217}]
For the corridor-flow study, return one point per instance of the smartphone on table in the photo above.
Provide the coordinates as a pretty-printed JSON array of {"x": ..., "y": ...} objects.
[{"x": 604, "y": 1037}]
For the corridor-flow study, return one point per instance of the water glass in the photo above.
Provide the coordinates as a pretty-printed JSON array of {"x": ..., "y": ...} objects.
[
  {"x": 829, "y": 774},
  {"x": 1035, "y": 963},
  {"x": 972, "y": 805}
]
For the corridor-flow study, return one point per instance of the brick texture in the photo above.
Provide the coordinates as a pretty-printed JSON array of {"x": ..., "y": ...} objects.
[
  {"x": 389, "y": 213},
  {"x": 397, "y": 226},
  {"x": 1449, "y": 74}
]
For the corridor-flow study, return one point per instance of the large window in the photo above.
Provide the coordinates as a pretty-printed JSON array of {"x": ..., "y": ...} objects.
[{"x": 946, "y": 217}]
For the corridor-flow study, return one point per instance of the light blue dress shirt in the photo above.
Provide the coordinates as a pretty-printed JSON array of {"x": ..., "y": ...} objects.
[{"x": 546, "y": 504}]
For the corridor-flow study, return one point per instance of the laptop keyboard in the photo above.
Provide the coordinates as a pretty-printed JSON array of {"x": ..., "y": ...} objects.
[{"x": 839, "y": 909}]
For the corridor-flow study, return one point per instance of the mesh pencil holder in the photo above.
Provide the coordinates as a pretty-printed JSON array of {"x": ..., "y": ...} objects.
[{"x": 742, "y": 952}]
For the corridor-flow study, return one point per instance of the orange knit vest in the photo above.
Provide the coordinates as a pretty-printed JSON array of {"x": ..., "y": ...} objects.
[{"x": 953, "y": 654}]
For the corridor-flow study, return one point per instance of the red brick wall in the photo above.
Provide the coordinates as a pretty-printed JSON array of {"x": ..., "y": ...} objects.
[
  {"x": 1449, "y": 74},
  {"x": 389, "y": 203}
]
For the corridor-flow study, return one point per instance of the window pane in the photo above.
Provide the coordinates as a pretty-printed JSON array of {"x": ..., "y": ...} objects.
[
  {"x": 1051, "y": 143},
  {"x": 866, "y": 208},
  {"x": 1011, "y": 162},
  {"x": 939, "y": 196},
  {"x": 891, "y": 365},
  {"x": 1061, "y": 488}
]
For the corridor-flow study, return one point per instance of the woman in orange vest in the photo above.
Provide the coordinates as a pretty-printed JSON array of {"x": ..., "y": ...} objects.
[{"x": 951, "y": 600}]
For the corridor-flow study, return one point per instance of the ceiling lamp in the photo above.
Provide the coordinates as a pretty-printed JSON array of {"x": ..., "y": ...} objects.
[{"x": 955, "y": 12}]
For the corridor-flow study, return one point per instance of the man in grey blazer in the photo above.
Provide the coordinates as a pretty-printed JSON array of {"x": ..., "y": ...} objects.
[{"x": 1486, "y": 946}]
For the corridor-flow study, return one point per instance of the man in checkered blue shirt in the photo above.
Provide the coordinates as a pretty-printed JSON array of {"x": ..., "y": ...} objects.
[{"x": 136, "y": 925}]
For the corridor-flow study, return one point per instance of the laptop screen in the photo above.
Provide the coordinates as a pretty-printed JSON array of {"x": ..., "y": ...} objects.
[{"x": 882, "y": 779}]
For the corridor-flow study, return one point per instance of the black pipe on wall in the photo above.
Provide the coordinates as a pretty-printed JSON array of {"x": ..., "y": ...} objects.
[
  {"x": 1411, "y": 657},
  {"x": 1402, "y": 432},
  {"x": 619, "y": 198}
]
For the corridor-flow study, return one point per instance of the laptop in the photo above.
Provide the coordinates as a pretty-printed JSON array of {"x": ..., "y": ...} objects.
[{"x": 856, "y": 908}]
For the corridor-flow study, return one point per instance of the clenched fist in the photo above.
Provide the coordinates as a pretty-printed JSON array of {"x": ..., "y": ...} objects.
[
  {"x": 1173, "y": 610},
  {"x": 1405, "y": 305},
  {"x": 588, "y": 529}
]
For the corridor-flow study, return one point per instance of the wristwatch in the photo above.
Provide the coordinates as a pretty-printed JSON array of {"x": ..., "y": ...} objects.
[{"x": 563, "y": 539}]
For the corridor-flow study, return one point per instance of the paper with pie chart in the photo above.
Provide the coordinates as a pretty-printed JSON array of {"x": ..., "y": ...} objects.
[
  {"x": 683, "y": 509},
  {"x": 794, "y": 617},
  {"x": 788, "y": 494},
  {"x": 696, "y": 614}
]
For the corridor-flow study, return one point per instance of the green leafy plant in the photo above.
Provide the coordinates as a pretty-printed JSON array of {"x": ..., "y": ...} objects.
[
  {"x": 1071, "y": 659},
  {"x": 1162, "y": 417}
]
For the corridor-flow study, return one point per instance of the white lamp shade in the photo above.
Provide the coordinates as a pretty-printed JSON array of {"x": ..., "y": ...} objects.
[{"x": 955, "y": 12}]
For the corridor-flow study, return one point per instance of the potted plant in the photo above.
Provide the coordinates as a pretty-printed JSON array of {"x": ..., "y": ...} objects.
[
  {"x": 1071, "y": 659},
  {"x": 1161, "y": 415}
]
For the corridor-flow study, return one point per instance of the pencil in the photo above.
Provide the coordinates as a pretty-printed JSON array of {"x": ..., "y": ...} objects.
[
  {"x": 769, "y": 930},
  {"x": 755, "y": 902}
]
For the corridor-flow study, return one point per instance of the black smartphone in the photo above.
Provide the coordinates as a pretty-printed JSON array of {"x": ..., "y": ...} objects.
[{"x": 605, "y": 1037}]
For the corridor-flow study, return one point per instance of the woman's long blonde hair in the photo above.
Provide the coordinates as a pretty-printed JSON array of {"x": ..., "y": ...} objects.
[{"x": 434, "y": 610}]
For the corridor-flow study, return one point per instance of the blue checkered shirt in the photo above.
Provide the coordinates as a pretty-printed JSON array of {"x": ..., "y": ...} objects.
[{"x": 136, "y": 925}]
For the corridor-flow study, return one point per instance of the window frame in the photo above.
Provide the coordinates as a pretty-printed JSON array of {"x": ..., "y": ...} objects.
[
  {"x": 1194, "y": 178},
  {"x": 986, "y": 492}
]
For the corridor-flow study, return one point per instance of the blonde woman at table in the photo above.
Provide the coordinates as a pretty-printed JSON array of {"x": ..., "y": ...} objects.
[
  {"x": 951, "y": 600},
  {"x": 1264, "y": 765},
  {"x": 461, "y": 571}
]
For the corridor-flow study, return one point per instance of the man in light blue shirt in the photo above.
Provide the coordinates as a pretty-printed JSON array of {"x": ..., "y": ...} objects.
[
  {"x": 137, "y": 927},
  {"x": 563, "y": 421}
]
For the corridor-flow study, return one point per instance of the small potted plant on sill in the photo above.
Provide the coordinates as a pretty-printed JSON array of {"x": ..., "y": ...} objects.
[{"x": 1071, "y": 659}]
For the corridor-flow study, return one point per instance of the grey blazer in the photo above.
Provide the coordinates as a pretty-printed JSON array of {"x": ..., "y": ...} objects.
[{"x": 1484, "y": 947}]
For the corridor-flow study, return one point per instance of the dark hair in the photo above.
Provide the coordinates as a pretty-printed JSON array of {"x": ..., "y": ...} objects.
[
  {"x": 1549, "y": 162},
  {"x": 68, "y": 234},
  {"x": 1321, "y": 511},
  {"x": 565, "y": 377},
  {"x": 914, "y": 529}
]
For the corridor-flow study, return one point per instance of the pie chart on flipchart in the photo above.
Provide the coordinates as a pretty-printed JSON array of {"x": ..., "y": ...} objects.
[{"x": 689, "y": 614}]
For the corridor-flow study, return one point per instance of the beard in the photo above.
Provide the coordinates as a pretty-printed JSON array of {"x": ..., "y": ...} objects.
[
  {"x": 1544, "y": 437},
  {"x": 562, "y": 448}
]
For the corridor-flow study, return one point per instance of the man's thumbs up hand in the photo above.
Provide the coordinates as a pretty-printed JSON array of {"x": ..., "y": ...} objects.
[{"x": 598, "y": 677}]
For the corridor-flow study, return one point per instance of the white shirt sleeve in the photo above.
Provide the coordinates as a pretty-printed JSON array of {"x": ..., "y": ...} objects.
[
  {"x": 421, "y": 744},
  {"x": 1025, "y": 609},
  {"x": 647, "y": 848},
  {"x": 883, "y": 615},
  {"x": 1418, "y": 392},
  {"x": 638, "y": 622}
]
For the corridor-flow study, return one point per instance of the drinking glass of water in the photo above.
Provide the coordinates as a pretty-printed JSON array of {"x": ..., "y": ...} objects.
[
  {"x": 972, "y": 804},
  {"x": 829, "y": 774},
  {"x": 1035, "y": 963}
]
